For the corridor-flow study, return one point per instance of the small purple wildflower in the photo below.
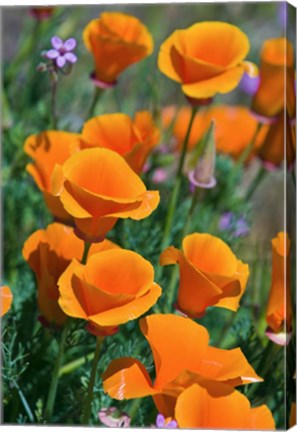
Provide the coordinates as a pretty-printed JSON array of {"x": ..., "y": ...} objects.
[
  {"x": 228, "y": 222},
  {"x": 282, "y": 14},
  {"x": 161, "y": 422},
  {"x": 61, "y": 51},
  {"x": 249, "y": 84}
]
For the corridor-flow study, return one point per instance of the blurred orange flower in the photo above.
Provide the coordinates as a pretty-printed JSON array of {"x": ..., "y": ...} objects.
[
  {"x": 292, "y": 420},
  {"x": 212, "y": 405},
  {"x": 277, "y": 77},
  {"x": 46, "y": 149},
  {"x": 279, "y": 309},
  {"x": 206, "y": 58},
  {"x": 5, "y": 299},
  {"x": 275, "y": 102},
  {"x": 116, "y": 41},
  {"x": 230, "y": 121},
  {"x": 182, "y": 357},
  {"x": 132, "y": 139},
  {"x": 96, "y": 187},
  {"x": 114, "y": 287},
  {"x": 210, "y": 274},
  {"x": 48, "y": 253}
]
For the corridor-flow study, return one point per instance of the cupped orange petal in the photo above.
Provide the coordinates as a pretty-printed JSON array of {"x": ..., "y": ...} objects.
[
  {"x": 117, "y": 41},
  {"x": 127, "y": 378},
  {"x": 229, "y": 366},
  {"x": 217, "y": 406},
  {"x": 129, "y": 311},
  {"x": 102, "y": 246},
  {"x": 6, "y": 298},
  {"x": 176, "y": 350},
  {"x": 222, "y": 83},
  {"x": 279, "y": 309}
]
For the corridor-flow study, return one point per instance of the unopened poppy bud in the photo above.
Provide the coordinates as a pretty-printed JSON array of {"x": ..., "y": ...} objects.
[
  {"x": 113, "y": 417},
  {"x": 203, "y": 174}
]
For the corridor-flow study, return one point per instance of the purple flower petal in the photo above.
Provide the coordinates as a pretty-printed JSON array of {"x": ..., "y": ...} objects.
[
  {"x": 61, "y": 61},
  {"x": 160, "y": 421},
  {"x": 57, "y": 42},
  {"x": 70, "y": 57},
  {"x": 225, "y": 221},
  {"x": 52, "y": 54},
  {"x": 70, "y": 44},
  {"x": 171, "y": 425},
  {"x": 249, "y": 84}
]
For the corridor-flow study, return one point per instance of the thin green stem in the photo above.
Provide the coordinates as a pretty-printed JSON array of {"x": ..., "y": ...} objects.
[
  {"x": 75, "y": 364},
  {"x": 255, "y": 183},
  {"x": 85, "y": 254},
  {"x": 54, "y": 117},
  {"x": 177, "y": 185},
  {"x": 55, "y": 376},
  {"x": 97, "y": 94},
  {"x": 89, "y": 398},
  {"x": 24, "y": 402}
]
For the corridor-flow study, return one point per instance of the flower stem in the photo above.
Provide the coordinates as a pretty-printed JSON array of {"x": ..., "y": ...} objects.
[
  {"x": 24, "y": 401},
  {"x": 85, "y": 254},
  {"x": 88, "y": 401},
  {"x": 54, "y": 103},
  {"x": 97, "y": 94},
  {"x": 75, "y": 364},
  {"x": 176, "y": 189},
  {"x": 55, "y": 376},
  {"x": 255, "y": 183}
]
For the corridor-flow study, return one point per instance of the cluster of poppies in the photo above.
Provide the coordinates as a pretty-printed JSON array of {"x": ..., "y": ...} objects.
[{"x": 90, "y": 180}]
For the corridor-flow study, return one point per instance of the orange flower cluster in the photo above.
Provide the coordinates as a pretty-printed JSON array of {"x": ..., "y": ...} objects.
[{"x": 189, "y": 372}]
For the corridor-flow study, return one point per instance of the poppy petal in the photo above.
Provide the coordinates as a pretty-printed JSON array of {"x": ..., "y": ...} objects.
[
  {"x": 68, "y": 301},
  {"x": 127, "y": 378},
  {"x": 5, "y": 299},
  {"x": 134, "y": 309},
  {"x": 222, "y": 83},
  {"x": 179, "y": 344},
  {"x": 260, "y": 418}
]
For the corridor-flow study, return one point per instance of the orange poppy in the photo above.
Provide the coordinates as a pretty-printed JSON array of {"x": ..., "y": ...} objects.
[
  {"x": 210, "y": 274},
  {"x": 292, "y": 420},
  {"x": 206, "y": 58},
  {"x": 97, "y": 186},
  {"x": 278, "y": 142},
  {"x": 212, "y": 405},
  {"x": 182, "y": 357},
  {"x": 229, "y": 123},
  {"x": 116, "y": 41},
  {"x": 181, "y": 118},
  {"x": 48, "y": 253},
  {"x": 277, "y": 77},
  {"x": 279, "y": 309},
  {"x": 114, "y": 287},
  {"x": 132, "y": 139},
  {"x": 46, "y": 149},
  {"x": 5, "y": 299}
]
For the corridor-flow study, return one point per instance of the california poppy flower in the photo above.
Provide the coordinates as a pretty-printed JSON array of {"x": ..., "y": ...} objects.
[
  {"x": 274, "y": 102},
  {"x": 211, "y": 405},
  {"x": 279, "y": 308},
  {"x": 229, "y": 121},
  {"x": 206, "y": 58},
  {"x": 210, "y": 274},
  {"x": 46, "y": 149},
  {"x": 96, "y": 187},
  {"x": 114, "y": 287},
  {"x": 292, "y": 420},
  {"x": 182, "y": 357},
  {"x": 116, "y": 41},
  {"x": 48, "y": 253},
  {"x": 5, "y": 299},
  {"x": 132, "y": 139},
  {"x": 276, "y": 84}
]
